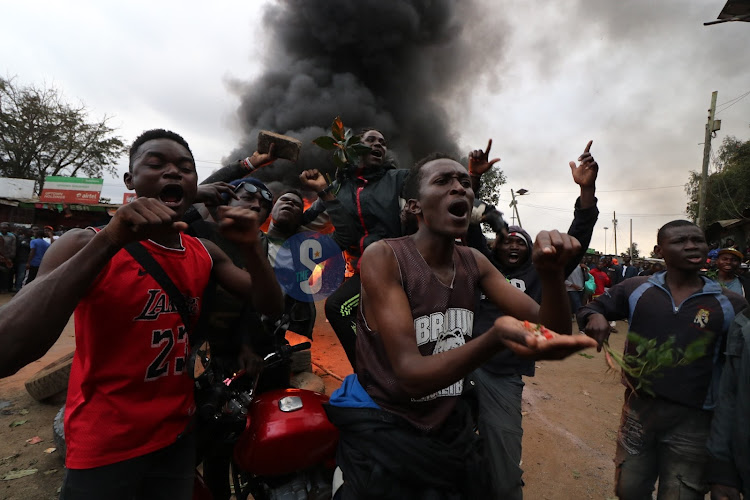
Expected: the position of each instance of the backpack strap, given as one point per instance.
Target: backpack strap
(145, 259)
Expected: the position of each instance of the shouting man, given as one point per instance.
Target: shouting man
(405, 432)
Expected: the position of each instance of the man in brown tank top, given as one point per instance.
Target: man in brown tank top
(404, 430)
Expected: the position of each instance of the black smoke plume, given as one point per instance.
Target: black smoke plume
(401, 67)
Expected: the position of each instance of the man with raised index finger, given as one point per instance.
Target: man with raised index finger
(499, 381)
(405, 431)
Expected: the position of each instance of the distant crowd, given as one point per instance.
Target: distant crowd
(21, 252)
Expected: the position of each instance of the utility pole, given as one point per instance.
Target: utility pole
(711, 127)
(514, 206)
(630, 250)
(614, 229)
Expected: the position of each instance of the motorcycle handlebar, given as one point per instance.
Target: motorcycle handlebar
(284, 353)
(298, 347)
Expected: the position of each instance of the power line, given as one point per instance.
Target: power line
(654, 215)
(736, 100)
(612, 190)
(569, 210)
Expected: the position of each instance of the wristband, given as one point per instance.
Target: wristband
(325, 191)
(247, 165)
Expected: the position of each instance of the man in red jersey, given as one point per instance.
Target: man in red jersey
(130, 400)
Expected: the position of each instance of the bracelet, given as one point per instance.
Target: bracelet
(247, 165)
(325, 191)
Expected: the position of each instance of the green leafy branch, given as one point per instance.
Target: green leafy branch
(346, 146)
(651, 359)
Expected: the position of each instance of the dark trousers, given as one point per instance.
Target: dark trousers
(500, 427)
(32, 274)
(6, 278)
(165, 474)
(664, 440)
(341, 312)
(216, 464)
(20, 275)
(575, 300)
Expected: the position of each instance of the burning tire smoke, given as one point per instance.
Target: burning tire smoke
(401, 67)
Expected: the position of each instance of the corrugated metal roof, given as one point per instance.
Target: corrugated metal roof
(734, 10)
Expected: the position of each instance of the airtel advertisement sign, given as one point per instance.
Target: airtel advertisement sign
(71, 190)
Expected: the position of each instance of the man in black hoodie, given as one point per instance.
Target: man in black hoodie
(369, 192)
(499, 382)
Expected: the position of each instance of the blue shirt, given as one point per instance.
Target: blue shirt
(41, 247)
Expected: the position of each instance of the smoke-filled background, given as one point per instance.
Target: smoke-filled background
(540, 78)
(398, 67)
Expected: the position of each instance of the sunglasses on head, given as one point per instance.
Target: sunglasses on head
(252, 188)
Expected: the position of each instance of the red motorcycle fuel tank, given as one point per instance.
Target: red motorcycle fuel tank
(287, 430)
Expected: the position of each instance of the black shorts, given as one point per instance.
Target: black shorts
(165, 474)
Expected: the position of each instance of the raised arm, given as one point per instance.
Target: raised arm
(258, 284)
(585, 176)
(68, 269)
(242, 167)
(345, 229)
(479, 163)
(585, 213)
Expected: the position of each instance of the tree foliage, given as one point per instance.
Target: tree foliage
(728, 193)
(492, 180)
(636, 252)
(42, 135)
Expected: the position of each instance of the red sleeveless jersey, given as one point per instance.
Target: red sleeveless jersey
(129, 392)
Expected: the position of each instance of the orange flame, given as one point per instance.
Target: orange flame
(317, 274)
(307, 203)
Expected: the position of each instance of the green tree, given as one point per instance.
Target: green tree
(728, 193)
(492, 181)
(636, 252)
(42, 135)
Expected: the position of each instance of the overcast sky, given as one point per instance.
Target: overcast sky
(636, 77)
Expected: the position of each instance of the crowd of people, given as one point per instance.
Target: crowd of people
(439, 324)
(21, 251)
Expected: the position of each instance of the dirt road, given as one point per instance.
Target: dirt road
(571, 413)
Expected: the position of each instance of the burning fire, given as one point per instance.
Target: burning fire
(317, 274)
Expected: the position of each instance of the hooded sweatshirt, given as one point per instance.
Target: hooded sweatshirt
(525, 278)
(371, 197)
